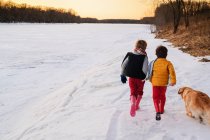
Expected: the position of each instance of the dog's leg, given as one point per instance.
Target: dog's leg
(209, 122)
(201, 119)
(188, 112)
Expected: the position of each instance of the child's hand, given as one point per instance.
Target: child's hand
(123, 79)
(172, 84)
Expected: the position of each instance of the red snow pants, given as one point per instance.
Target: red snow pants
(159, 98)
(136, 87)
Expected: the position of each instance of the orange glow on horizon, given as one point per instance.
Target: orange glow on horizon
(100, 9)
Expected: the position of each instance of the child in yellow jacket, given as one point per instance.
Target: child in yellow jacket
(161, 74)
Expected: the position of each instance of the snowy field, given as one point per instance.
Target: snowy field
(61, 82)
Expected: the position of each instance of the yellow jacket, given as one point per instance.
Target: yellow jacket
(162, 71)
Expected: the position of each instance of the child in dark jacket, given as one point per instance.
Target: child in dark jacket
(161, 72)
(135, 66)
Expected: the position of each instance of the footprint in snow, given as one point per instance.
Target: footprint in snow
(166, 137)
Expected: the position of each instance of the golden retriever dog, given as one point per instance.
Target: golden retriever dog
(197, 104)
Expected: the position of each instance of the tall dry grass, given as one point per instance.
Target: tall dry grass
(194, 40)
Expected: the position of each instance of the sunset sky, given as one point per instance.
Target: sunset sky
(101, 9)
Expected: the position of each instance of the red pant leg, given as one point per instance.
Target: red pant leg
(162, 98)
(156, 97)
(159, 97)
(140, 87)
(132, 86)
(136, 87)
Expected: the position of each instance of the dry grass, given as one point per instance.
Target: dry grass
(204, 60)
(195, 40)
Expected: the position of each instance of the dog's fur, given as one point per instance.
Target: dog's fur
(197, 104)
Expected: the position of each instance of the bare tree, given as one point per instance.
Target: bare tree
(177, 10)
(186, 6)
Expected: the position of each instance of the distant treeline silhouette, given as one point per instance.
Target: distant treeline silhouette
(123, 21)
(12, 12)
(120, 21)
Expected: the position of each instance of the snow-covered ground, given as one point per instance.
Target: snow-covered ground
(61, 82)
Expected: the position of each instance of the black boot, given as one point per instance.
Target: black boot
(158, 117)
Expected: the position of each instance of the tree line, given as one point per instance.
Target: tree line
(12, 12)
(174, 10)
(95, 20)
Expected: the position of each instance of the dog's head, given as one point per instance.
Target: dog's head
(183, 91)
